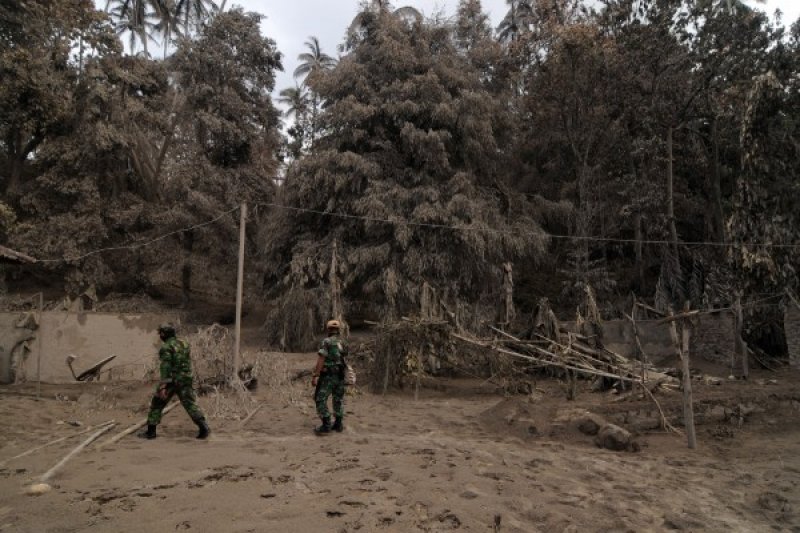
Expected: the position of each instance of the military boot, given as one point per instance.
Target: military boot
(150, 433)
(325, 428)
(204, 429)
(337, 425)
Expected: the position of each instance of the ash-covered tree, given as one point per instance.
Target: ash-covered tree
(227, 139)
(154, 147)
(410, 137)
(40, 70)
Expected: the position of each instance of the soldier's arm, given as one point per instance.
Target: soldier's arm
(321, 353)
(165, 355)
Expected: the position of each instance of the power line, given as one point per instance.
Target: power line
(410, 223)
(520, 233)
(137, 245)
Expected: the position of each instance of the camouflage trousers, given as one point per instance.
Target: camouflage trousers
(185, 394)
(330, 384)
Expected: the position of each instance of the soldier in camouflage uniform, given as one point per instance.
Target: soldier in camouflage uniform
(328, 378)
(176, 378)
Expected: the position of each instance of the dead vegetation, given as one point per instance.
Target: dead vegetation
(300, 314)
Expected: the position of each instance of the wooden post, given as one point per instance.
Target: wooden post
(39, 350)
(47, 476)
(508, 296)
(337, 309)
(740, 349)
(637, 346)
(54, 441)
(688, 407)
(239, 287)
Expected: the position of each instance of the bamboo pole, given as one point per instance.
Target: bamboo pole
(248, 417)
(52, 472)
(792, 297)
(39, 348)
(55, 441)
(134, 427)
(688, 407)
(558, 364)
(741, 351)
(239, 287)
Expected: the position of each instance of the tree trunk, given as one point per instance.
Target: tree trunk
(673, 230)
(716, 187)
(14, 177)
(637, 221)
(186, 271)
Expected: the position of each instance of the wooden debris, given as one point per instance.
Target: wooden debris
(47, 476)
(252, 413)
(55, 441)
(134, 427)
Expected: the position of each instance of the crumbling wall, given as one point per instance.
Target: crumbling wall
(17, 330)
(791, 324)
(91, 337)
(713, 338)
(618, 337)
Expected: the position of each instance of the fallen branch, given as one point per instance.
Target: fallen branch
(56, 441)
(248, 417)
(557, 364)
(52, 472)
(664, 423)
(791, 296)
(134, 427)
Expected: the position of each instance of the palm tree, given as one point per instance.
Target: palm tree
(297, 102)
(193, 12)
(313, 62)
(144, 19)
(137, 18)
(515, 21)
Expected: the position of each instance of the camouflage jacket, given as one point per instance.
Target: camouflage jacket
(176, 363)
(334, 350)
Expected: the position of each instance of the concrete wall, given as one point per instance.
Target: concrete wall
(655, 338)
(791, 324)
(711, 338)
(714, 338)
(91, 337)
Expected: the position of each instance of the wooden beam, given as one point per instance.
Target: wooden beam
(681, 316)
(55, 441)
(53, 471)
(136, 426)
(558, 364)
(688, 407)
(651, 309)
(792, 297)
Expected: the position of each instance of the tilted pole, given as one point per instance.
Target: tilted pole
(239, 287)
(39, 348)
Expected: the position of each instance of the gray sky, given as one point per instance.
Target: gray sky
(291, 22)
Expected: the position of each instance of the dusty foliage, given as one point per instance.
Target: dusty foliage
(406, 351)
(212, 363)
(271, 370)
(298, 319)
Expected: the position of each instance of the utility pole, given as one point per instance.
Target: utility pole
(39, 350)
(239, 287)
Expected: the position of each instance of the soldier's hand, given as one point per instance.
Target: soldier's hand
(314, 381)
(162, 392)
